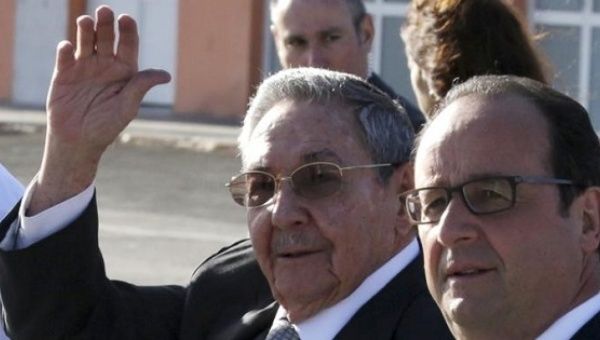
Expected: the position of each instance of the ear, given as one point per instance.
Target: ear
(590, 219)
(404, 177)
(403, 180)
(366, 31)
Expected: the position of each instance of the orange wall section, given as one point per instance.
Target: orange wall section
(76, 8)
(7, 37)
(219, 53)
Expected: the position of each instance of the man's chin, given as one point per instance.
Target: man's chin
(468, 313)
(300, 308)
(303, 295)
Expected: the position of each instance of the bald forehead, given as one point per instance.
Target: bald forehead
(281, 7)
(478, 113)
(477, 126)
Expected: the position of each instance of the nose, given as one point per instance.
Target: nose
(287, 210)
(315, 57)
(457, 224)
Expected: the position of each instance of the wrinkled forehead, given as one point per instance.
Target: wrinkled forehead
(293, 133)
(477, 135)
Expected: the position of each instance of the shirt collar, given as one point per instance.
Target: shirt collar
(567, 325)
(328, 322)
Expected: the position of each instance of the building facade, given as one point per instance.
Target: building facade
(219, 50)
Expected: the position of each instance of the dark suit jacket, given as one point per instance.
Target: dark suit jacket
(414, 114)
(57, 289)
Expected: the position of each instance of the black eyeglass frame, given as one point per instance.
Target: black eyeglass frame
(512, 180)
(278, 179)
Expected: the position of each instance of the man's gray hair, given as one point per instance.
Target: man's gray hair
(356, 7)
(382, 125)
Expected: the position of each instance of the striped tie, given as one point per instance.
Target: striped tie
(283, 330)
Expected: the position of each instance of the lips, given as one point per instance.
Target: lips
(295, 253)
(466, 271)
(470, 272)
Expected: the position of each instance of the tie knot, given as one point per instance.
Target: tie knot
(283, 330)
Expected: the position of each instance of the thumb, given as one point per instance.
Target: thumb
(141, 83)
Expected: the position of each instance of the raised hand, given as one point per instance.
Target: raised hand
(93, 95)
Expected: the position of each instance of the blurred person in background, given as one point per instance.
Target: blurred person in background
(450, 41)
(331, 34)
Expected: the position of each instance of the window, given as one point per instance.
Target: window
(572, 43)
(387, 55)
(559, 5)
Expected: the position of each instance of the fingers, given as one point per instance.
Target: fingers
(140, 84)
(128, 47)
(85, 37)
(64, 55)
(105, 32)
(101, 39)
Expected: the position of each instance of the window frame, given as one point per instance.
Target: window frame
(586, 20)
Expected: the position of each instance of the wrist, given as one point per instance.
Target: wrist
(64, 173)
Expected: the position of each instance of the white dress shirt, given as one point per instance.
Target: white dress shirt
(328, 322)
(570, 323)
(28, 230)
(11, 191)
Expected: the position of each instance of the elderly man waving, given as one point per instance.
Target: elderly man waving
(331, 252)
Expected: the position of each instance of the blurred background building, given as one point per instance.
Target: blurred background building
(219, 50)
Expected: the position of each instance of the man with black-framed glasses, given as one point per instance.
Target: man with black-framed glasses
(507, 206)
(331, 252)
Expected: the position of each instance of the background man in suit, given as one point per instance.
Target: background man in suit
(332, 34)
(324, 158)
(509, 212)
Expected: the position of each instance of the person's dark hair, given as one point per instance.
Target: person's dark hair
(453, 40)
(356, 7)
(574, 145)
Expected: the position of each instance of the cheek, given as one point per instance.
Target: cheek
(260, 230)
(541, 246)
(360, 229)
(287, 57)
(431, 257)
(290, 59)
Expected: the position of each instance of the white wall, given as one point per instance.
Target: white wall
(157, 25)
(40, 25)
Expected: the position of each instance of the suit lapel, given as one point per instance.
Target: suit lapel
(256, 323)
(404, 298)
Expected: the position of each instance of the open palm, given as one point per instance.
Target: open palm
(93, 95)
(95, 92)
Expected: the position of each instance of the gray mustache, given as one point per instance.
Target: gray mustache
(295, 239)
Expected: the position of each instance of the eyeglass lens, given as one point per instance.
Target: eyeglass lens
(481, 196)
(310, 181)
